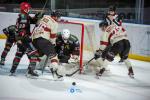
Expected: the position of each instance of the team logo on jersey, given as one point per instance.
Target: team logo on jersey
(66, 47)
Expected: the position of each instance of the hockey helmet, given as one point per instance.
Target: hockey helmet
(103, 24)
(65, 34)
(55, 13)
(112, 8)
(25, 7)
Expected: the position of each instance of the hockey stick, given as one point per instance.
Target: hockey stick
(105, 50)
(79, 68)
(85, 66)
(44, 5)
(45, 62)
(43, 67)
(89, 61)
(73, 72)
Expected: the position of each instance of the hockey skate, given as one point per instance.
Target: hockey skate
(31, 73)
(130, 73)
(2, 62)
(99, 74)
(121, 61)
(12, 73)
(55, 75)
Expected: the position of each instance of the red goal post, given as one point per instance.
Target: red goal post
(85, 32)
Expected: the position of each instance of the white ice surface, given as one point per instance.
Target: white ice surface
(113, 85)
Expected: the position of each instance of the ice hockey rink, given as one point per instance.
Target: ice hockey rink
(113, 85)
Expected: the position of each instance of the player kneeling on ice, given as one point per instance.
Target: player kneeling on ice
(113, 41)
(44, 36)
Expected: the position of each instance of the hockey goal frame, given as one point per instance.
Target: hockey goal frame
(82, 41)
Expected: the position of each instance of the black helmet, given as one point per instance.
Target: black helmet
(103, 23)
(55, 13)
(112, 8)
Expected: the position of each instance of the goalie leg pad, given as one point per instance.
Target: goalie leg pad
(64, 59)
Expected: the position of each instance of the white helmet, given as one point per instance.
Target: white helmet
(65, 34)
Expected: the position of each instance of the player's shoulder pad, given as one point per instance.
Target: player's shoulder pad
(58, 33)
(59, 37)
(73, 39)
(22, 16)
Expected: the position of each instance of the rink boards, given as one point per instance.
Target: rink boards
(139, 35)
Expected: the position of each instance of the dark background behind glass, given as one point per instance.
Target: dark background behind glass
(91, 9)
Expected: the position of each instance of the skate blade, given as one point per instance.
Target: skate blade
(1, 64)
(55, 78)
(12, 74)
(59, 79)
(31, 76)
(98, 76)
(131, 76)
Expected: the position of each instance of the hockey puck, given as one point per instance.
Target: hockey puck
(73, 83)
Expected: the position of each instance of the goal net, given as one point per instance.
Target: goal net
(87, 38)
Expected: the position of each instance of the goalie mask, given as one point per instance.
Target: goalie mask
(25, 7)
(65, 35)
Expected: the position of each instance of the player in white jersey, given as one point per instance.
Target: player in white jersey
(44, 36)
(46, 28)
(116, 39)
(113, 18)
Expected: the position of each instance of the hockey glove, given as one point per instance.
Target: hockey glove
(5, 31)
(73, 59)
(39, 15)
(97, 54)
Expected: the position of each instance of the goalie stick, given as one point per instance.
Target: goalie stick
(79, 68)
(45, 62)
(71, 74)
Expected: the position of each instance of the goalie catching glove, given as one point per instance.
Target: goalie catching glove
(97, 54)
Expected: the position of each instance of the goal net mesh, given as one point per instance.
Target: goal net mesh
(85, 32)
